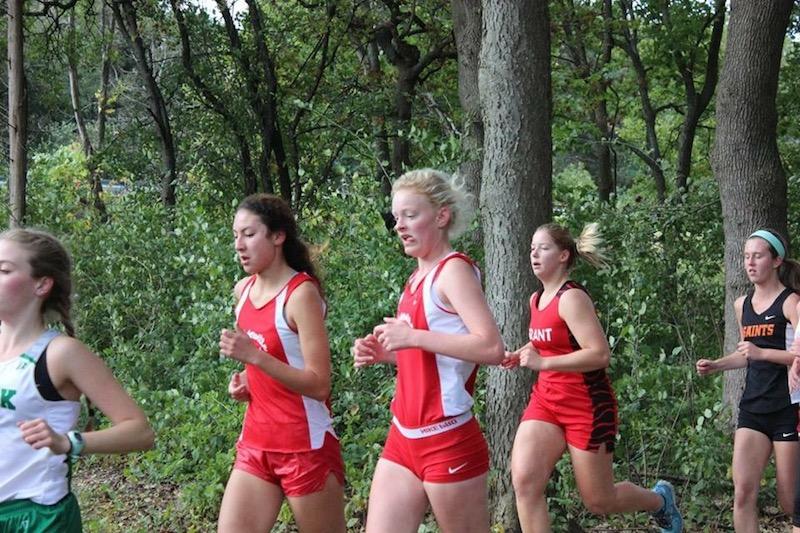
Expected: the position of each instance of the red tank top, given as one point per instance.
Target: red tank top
(278, 419)
(431, 387)
(551, 336)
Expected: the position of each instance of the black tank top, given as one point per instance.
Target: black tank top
(766, 387)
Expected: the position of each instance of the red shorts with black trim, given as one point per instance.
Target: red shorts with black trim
(297, 474)
(454, 455)
(587, 414)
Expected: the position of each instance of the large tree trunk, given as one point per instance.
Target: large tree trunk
(467, 29)
(17, 115)
(516, 196)
(745, 159)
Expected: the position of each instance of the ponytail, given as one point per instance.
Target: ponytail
(789, 274)
(587, 246)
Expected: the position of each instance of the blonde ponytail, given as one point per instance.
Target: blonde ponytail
(589, 245)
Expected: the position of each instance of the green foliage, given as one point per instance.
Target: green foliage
(152, 301)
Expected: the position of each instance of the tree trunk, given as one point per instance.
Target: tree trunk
(405, 88)
(105, 71)
(745, 158)
(396, 38)
(696, 103)
(576, 27)
(266, 93)
(369, 56)
(261, 111)
(216, 104)
(605, 175)
(652, 157)
(125, 16)
(467, 29)
(602, 151)
(516, 196)
(75, 96)
(17, 115)
(95, 184)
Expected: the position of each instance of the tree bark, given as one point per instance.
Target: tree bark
(107, 35)
(271, 139)
(516, 196)
(259, 107)
(745, 158)
(74, 90)
(467, 15)
(393, 38)
(17, 115)
(369, 57)
(95, 184)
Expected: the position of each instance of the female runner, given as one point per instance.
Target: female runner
(43, 375)
(767, 423)
(572, 406)
(435, 452)
(287, 446)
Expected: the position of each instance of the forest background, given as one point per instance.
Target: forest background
(136, 127)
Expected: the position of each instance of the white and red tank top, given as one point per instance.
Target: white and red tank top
(431, 387)
(277, 418)
(551, 336)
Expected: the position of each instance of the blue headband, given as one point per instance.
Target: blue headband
(774, 241)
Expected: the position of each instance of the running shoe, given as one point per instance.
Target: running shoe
(668, 518)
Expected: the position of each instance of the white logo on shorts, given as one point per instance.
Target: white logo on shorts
(452, 470)
(784, 436)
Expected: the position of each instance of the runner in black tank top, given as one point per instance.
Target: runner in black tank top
(767, 421)
(767, 385)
